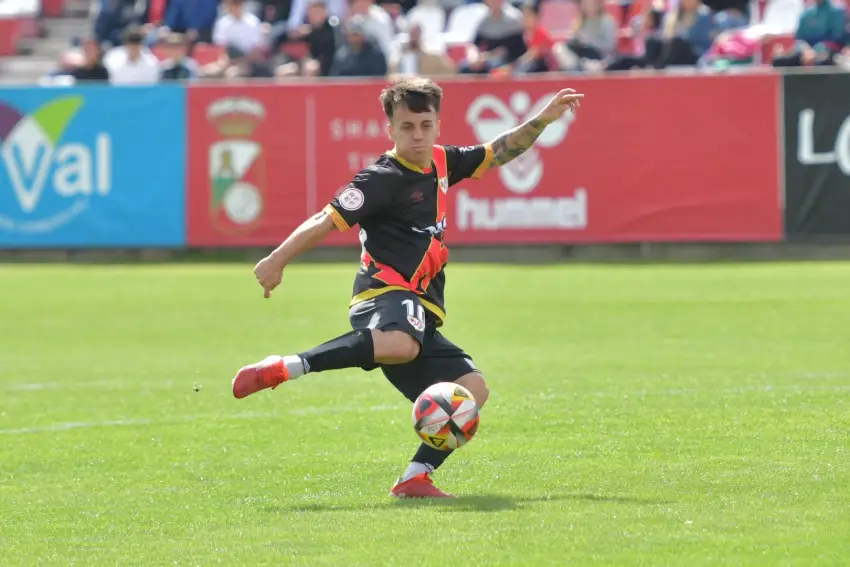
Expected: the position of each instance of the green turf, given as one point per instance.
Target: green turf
(639, 416)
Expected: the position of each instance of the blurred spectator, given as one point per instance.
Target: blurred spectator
(323, 37)
(235, 64)
(843, 59)
(359, 57)
(415, 58)
(92, 68)
(733, 48)
(498, 40)
(686, 34)
(729, 14)
(132, 63)
(113, 17)
(396, 8)
(177, 66)
(194, 18)
(594, 36)
(238, 28)
(297, 14)
(275, 11)
(819, 38)
(377, 23)
(538, 43)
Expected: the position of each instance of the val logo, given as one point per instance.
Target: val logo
(51, 177)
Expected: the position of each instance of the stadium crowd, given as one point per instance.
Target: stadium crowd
(136, 42)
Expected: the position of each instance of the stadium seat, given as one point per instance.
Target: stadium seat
(52, 8)
(463, 23)
(159, 50)
(25, 13)
(557, 17)
(206, 53)
(296, 50)
(10, 35)
(457, 51)
(768, 44)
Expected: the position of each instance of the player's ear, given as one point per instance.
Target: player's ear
(390, 131)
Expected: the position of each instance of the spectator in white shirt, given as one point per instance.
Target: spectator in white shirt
(238, 28)
(132, 63)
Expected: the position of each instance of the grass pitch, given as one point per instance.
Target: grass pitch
(639, 416)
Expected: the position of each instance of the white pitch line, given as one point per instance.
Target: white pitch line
(68, 426)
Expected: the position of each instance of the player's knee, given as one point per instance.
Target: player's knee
(394, 347)
(477, 386)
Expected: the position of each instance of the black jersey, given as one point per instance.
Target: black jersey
(401, 210)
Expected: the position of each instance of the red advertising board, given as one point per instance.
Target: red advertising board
(644, 159)
(246, 167)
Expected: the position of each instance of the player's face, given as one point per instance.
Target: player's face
(414, 134)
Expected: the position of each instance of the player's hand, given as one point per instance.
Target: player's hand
(269, 273)
(565, 100)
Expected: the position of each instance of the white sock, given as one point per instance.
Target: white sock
(294, 365)
(415, 468)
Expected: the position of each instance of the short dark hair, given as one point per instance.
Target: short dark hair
(418, 94)
(133, 35)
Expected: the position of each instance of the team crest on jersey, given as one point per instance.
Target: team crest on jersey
(237, 165)
(416, 323)
(351, 199)
(444, 185)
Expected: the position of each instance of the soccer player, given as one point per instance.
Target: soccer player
(397, 305)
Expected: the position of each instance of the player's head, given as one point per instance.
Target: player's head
(412, 106)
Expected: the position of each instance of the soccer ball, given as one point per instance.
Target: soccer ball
(445, 416)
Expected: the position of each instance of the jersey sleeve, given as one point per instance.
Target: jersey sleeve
(365, 196)
(468, 162)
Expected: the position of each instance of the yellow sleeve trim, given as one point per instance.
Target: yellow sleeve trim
(485, 163)
(336, 217)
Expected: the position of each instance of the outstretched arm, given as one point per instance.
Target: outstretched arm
(515, 142)
(269, 270)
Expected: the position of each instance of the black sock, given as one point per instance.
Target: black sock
(354, 349)
(430, 456)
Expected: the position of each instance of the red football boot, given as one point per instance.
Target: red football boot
(268, 373)
(419, 486)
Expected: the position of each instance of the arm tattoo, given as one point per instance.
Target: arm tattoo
(514, 143)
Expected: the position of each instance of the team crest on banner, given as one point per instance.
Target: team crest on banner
(237, 165)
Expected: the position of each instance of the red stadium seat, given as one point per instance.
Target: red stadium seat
(159, 50)
(769, 44)
(28, 27)
(557, 16)
(456, 51)
(10, 35)
(52, 8)
(206, 53)
(296, 50)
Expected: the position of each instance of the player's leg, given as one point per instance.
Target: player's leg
(440, 361)
(382, 335)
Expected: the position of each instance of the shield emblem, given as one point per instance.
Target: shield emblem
(237, 175)
(237, 166)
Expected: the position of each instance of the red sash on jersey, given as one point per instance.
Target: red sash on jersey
(437, 254)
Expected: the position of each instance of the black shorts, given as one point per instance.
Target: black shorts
(439, 359)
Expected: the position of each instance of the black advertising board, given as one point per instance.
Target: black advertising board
(817, 153)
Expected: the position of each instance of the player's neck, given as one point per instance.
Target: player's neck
(411, 163)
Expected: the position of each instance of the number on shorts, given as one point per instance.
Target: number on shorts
(412, 310)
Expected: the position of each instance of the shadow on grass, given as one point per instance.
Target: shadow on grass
(468, 503)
